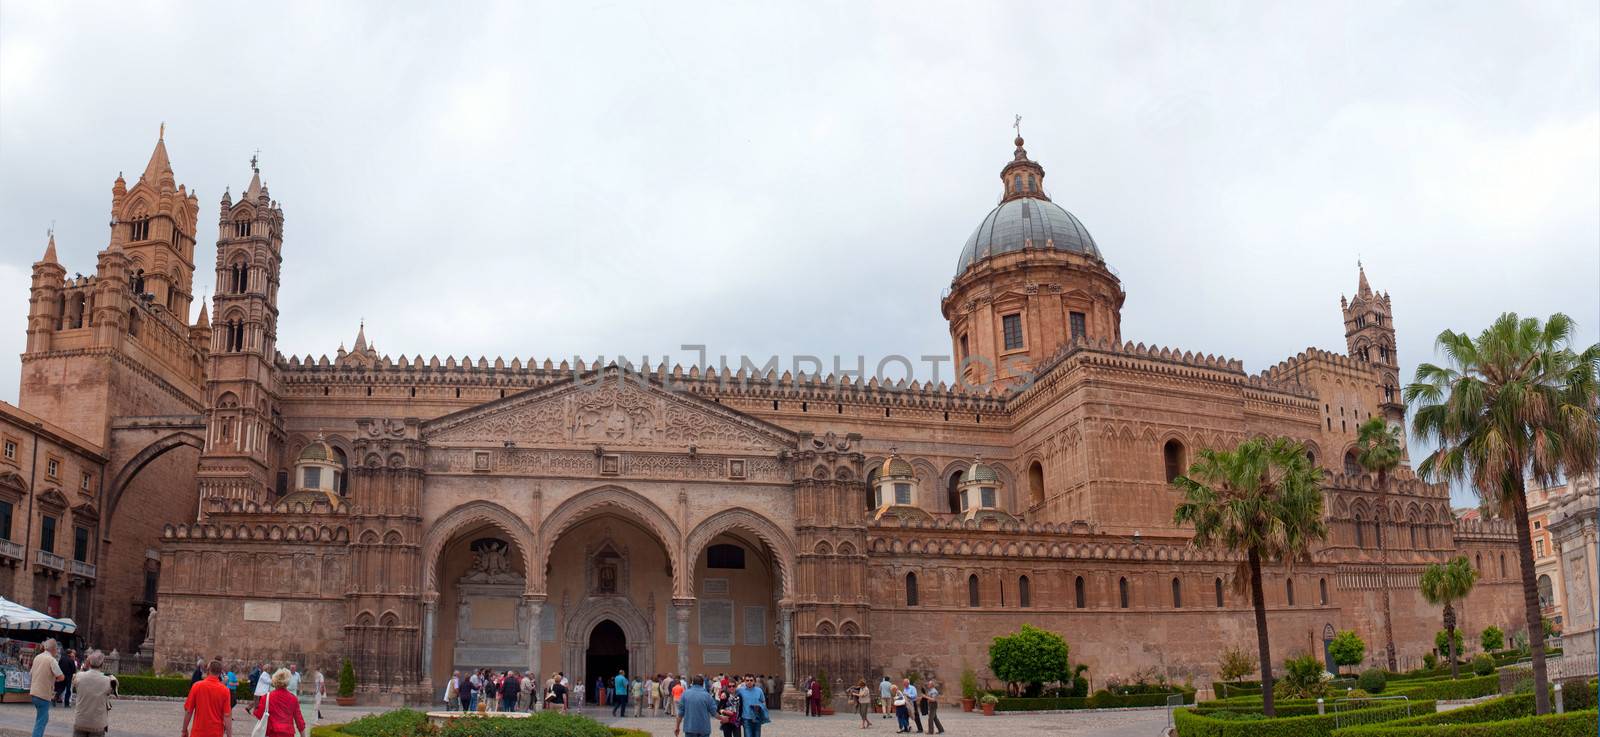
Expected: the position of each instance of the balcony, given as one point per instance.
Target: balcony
(11, 550)
(51, 561)
(81, 569)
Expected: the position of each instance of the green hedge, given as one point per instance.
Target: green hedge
(1575, 698)
(1463, 688)
(388, 724)
(1570, 724)
(408, 723)
(1190, 724)
(1100, 700)
(153, 686)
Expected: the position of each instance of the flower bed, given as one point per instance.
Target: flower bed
(410, 723)
(1235, 724)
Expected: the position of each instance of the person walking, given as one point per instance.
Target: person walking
(910, 690)
(753, 703)
(885, 695)
(901, 713)
(814, 697)
(510, 691)
(452, 691)
(558, 695)
(208, 710)
(930, 696)
(577, 697)
(619, 695)
(46, 673)
(529, 684)
(69, 668)
(281, 708)
(294, 679)
(728, 710)
(861, 697)
(199, 673)
(94, 690)
(319, 686)
(263, 683)
(695, 710)
(636, 696)
(465, 693)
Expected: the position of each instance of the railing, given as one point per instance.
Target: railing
(1174, 701)
(11, 549)
(51, 560)
(80, 568)
(1347, 712)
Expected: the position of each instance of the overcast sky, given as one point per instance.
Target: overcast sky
(540, 180)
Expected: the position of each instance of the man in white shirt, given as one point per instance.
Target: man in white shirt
(45, 674)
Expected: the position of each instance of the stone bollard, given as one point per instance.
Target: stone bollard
(1560, 707)
(1321, 709)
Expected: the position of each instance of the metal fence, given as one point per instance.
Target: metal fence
(1174, 701)
(1348, 712)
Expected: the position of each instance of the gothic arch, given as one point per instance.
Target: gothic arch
(629, 504)
(589, 613)
(129, 470)
(739, 518)
(469, 515)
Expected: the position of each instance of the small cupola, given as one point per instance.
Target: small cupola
(1022, 176)
(980, 493)
(317, 474)
(896, 483)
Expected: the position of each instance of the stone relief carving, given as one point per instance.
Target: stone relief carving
(491, 563)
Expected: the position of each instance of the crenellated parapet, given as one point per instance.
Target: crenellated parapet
(273, 532)
(1485, 530)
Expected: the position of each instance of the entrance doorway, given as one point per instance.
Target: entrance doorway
(607, 654)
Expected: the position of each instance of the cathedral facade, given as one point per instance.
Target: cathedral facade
(419, 515)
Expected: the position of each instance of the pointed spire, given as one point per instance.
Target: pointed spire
(50, 249)
(1361, 286)
(361, 337)
(159, 164)
(204, 320)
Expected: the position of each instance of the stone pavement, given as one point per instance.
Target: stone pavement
(165, 718)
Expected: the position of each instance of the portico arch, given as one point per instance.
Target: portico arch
(741, 519)
(472, 515)
(610, 499)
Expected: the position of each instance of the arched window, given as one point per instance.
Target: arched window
(972, 590)
(1036, 483)
(872, 489)
(1547, 592)
(1122, 592)
(1030, 183)
(138, 282)
(1077, 593)
(1024, 593)
(911, 589)
(1502, 565)
(1413, 527)
(1016, 183)
(1172, 455)
(133, 321)
(1352, 467)
(953, 493)
(1478, 562)
(1360, 539)
(1289, 589)
(1322, 590)
(1219, 591)
(238, 277)
(1177, 594)
(1311, 457)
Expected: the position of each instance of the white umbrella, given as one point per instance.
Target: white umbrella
(14, 616)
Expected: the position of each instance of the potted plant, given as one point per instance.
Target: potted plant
(347, 684)
(989, 700)
(969, 689)
(827, 693)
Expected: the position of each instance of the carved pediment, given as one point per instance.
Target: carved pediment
(611, 410)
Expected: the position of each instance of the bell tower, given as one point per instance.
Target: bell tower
(153, 222)
(244, 427)
(1369, 336)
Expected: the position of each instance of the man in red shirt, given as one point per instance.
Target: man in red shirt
(208, 707)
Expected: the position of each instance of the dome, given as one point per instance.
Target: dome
(316, 450)
(980, 473)
(1027, 222)
(895, 466)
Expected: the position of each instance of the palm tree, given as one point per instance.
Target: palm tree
(1263, 499)
(1515, 401)
(1379, 444)
(1447, 584)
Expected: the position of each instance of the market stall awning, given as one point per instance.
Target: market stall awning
(14, 616)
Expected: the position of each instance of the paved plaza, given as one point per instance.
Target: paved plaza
(165, 718)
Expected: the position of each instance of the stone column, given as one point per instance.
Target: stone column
(535, 607)
(786, 627)
(430, 612)
(680, 612)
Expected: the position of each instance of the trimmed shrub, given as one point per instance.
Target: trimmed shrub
(1482, 664)
(1445, 690)
(541, 724)
(1372, 680)
(1570, 724)
(1191, 724)
(153, 686)
(399, 723)
(1101, 699)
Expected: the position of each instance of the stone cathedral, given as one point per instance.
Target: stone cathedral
(419, 515)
